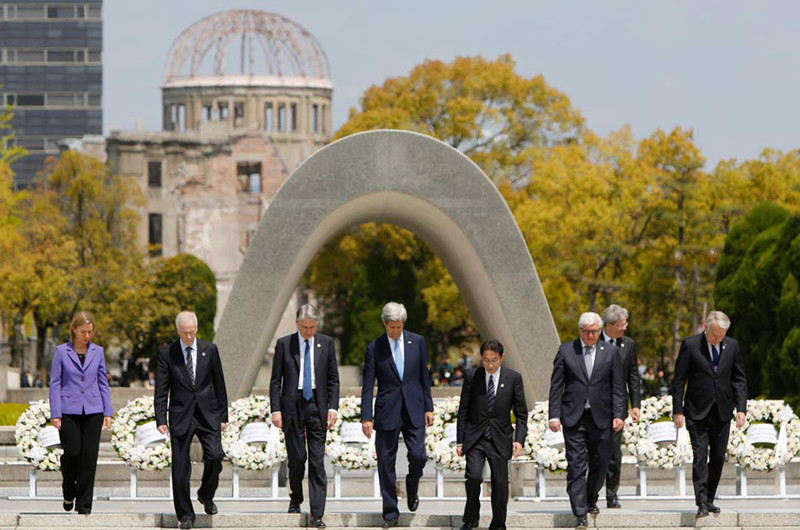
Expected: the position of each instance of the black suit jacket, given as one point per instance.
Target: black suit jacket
(694, 375)
(630, 369)
(286, 376)
(174, 393)
(570, 386)
(474, 416)
(414, 391)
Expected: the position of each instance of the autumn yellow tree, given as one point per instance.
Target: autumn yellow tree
(487, 111)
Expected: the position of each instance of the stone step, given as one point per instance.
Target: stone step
(618, 520)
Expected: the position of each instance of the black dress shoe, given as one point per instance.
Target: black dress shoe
(294, 508)
(389, 523)
(469, 526)
(581, 523)
(209, 506)
(86, 511)
(712, 508)
(68, 505)
(613, 503)
(413, 504)
(317, 522)
(186, 522)
(593, 509)
(702, 510)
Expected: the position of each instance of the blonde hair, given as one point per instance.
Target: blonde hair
(79, 319)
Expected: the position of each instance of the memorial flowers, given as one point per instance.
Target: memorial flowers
(769, 438)
(544, 447)
(29, 426)
(654, 440)
(440, 437)
(135, 439)
(251, 441)
(346, 446)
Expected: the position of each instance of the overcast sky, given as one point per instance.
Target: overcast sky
(728, 69)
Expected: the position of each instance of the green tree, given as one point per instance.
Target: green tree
(757, 287)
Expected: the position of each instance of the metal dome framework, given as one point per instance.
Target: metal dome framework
(281, 46)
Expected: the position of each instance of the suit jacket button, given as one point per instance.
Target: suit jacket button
(82, 390)
(83, 378)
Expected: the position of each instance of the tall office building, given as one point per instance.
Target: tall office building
(51, 72)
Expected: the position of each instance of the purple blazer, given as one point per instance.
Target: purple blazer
(76, 389)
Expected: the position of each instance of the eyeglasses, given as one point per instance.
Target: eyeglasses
(490, 361)
(590, 331)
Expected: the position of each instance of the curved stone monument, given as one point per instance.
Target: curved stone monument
(415, 182)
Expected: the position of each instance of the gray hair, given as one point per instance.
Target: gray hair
(588, 319)
(394, 312)
(614, 313)
(719, 318)
(307, 311)
(185, 317)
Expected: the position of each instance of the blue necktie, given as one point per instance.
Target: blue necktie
(490, 395)
(398, 359)
(714, 358)
(307, 390)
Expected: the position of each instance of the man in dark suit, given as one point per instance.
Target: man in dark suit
(483, 432)
(189, 377)
(709, 381)
(399, 360)
(587, 398)
(304, 393)
(615, 322)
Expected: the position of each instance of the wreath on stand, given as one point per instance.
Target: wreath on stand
(36, 438)
(135, 438)
(350, 454)
(642, 442)
(251, 441)
(440, 437)
(544, 447)
(765, 420)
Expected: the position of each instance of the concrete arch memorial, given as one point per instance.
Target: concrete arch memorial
(415, 182)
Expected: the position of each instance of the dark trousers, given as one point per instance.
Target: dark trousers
(211, 441)
(307, 428)
(386, 449)
(587, 447)
(80, 439)
(614, 467)
(709, 438)
(478, 454)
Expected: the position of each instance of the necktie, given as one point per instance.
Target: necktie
(490, 395)
(189, 365)
(398, 358)
(715, 358)
(587, 358)
(612, 341)
(308, 392)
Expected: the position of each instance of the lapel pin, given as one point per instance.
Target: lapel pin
(204, 354)
(319, 345)
(502, 385)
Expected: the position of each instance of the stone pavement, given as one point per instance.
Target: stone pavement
(652, 514)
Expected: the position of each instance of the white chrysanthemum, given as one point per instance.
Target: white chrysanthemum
(349, 455)
(34, 419)
(154, 457)
(765, 458)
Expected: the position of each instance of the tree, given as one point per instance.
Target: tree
(757, 287)
(491, 114)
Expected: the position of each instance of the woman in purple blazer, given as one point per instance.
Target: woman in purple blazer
(80, 405)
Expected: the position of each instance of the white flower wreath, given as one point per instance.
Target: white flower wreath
(764, 457)
(30, 423)
(350, 455)
(440, 449)
(548, 456)
(665, 455)
(150, 457)
(239, 452)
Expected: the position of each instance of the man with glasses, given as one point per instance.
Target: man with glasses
(615, 322)
(488, 398)
(709, 382)
(587, 399)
